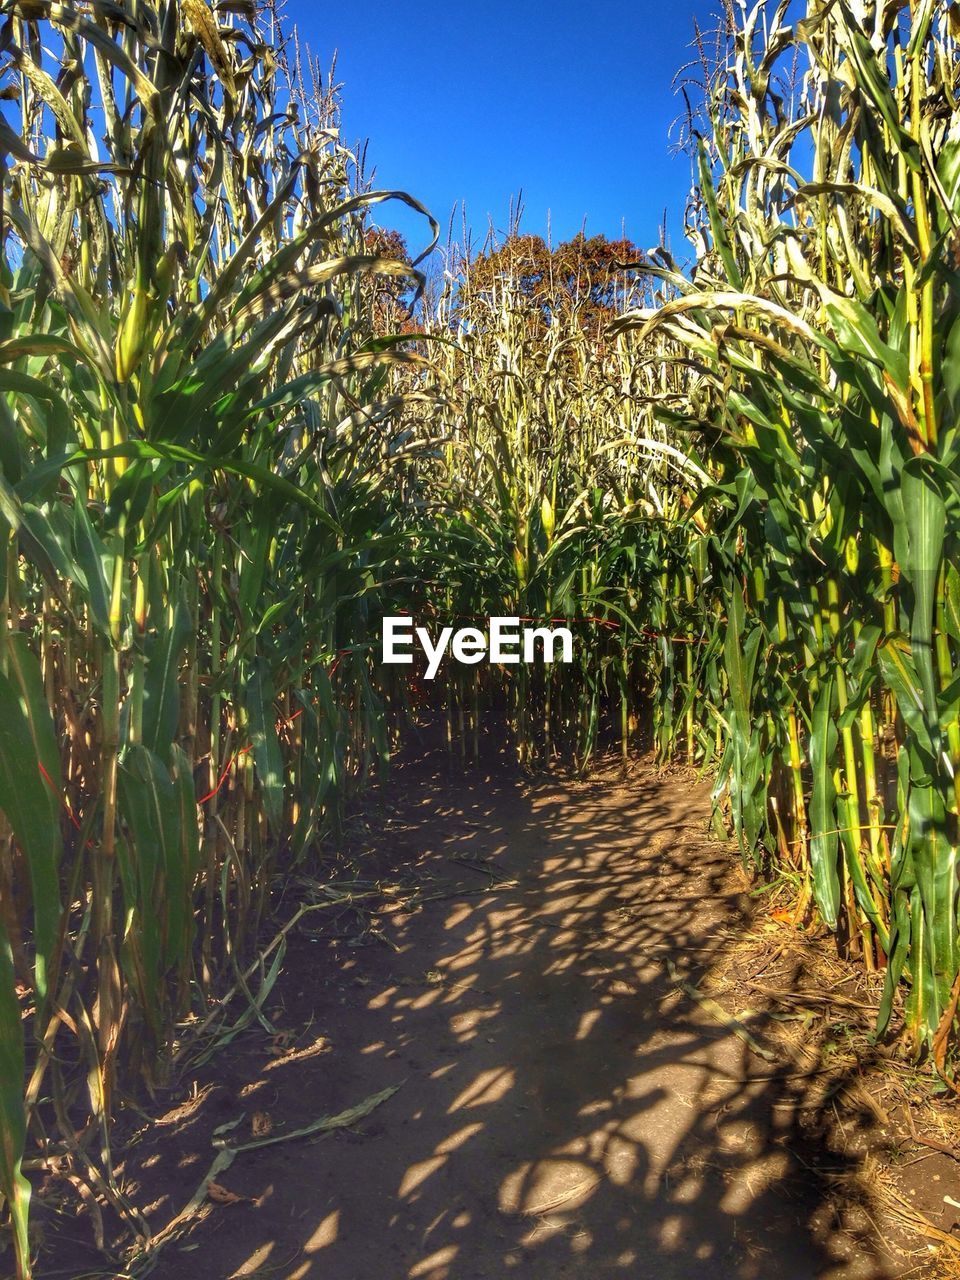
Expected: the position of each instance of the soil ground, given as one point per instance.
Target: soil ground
(571, 1100)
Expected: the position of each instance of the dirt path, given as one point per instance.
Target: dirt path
(564, 1110)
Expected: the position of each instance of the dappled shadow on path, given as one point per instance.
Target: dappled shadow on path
(566, 1109)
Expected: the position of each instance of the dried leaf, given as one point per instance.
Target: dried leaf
(219, 1194)
(325, 1123)
(261, 1125)
(281, 1043)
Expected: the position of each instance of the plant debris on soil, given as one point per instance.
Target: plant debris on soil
(554, 1032)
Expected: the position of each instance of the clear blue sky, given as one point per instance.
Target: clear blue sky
(570, 103)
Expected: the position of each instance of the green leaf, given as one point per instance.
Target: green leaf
(266, 747)
(161, 687)
(823, 808)
(717, 224)
(148, 805)
(32, 801)
(935, 866)
(13, 1122)
(900, 676)
(183, 864)
(925, 516)
(92, 562)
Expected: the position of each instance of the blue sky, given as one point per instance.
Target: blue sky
(569, 103)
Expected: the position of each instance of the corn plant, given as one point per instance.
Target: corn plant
(556, 488)
(197, 427)
(820, 321)
(229, 445)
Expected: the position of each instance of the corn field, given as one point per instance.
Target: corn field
(223, 461)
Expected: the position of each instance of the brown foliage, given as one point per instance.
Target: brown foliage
(586, 277)
(391, 296)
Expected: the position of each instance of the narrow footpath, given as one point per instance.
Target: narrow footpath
(563, 1106)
